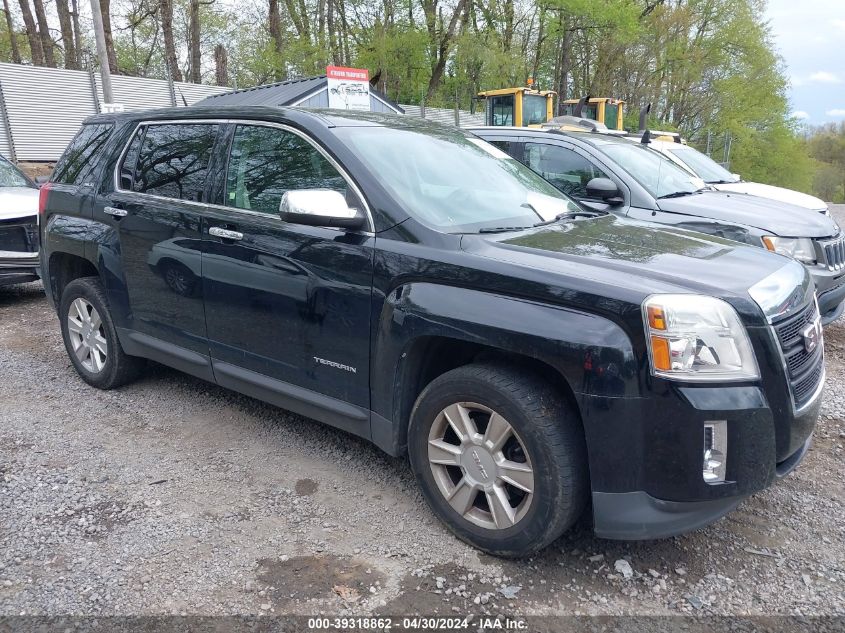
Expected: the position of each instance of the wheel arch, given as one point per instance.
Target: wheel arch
(63, 268)
(429, 329)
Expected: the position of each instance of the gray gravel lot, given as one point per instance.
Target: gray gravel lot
(175, 496)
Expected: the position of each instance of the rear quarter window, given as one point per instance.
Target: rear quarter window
(79, 161)
(172, 160)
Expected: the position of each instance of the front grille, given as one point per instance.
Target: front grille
(19, 235)
(804, 369)
(834, 253)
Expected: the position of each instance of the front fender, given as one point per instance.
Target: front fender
(593, 354)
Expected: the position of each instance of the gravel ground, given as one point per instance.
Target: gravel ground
(174, 496)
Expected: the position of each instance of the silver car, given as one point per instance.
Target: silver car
(18, 226)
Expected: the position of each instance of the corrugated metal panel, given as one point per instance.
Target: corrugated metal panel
(305, 93)
(278, 94)
(46, 106)
(194, 93)
(318, 100)
(445, 115)
(136, 93)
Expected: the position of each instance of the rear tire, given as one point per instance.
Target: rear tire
(90, 337)
(500, 457)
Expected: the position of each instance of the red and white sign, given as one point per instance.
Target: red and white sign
(349, 88)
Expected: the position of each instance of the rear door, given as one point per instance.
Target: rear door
(156, 214)
(287, 305)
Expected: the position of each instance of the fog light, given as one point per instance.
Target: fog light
(715, 451)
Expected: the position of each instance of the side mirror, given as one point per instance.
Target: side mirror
(737, 176)
(319, 207)
(41, 180)
(604, 189)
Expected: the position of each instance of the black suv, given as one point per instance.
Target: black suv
(607, 171)
(413, 285)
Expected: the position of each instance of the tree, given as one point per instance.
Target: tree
(274, 23)
(166, 17)
(221, 65)
(105, 9)
(13, 37)
(194, 52)
(441, 35)
(44, 33)
(35, 49)
(68, 40)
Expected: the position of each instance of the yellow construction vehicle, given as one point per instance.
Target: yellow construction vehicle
(610, 112)
(520, 107)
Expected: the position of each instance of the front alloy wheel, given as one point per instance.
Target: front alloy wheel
(500, 456)
(480, 465)
(87, 335)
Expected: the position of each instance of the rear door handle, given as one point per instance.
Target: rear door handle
(225, 234)
(115, 212)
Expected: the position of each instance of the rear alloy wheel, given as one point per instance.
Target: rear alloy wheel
(87, 335)
(500, 457)
(480, 465)
(91, 338)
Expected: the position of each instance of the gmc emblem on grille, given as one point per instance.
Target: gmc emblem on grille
(812, 335)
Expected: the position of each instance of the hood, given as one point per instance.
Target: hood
(771, 216)
(775, 193)
(635, 258)
(18, 202)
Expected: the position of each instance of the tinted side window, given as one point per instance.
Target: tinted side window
(130, 160)
(505, 146)
(564, 168)
(173, 161)
(80, 158)
(265, 162)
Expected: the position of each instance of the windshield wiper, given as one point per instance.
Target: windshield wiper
(585, 213)
(504, 229)
(721, 182)
(677, 194)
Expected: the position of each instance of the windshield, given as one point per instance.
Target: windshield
(11, 177)
(659, 175)
(704, 167)
(533, 110)
(454, 182)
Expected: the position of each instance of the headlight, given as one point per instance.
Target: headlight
(800, 248)
(697, 338)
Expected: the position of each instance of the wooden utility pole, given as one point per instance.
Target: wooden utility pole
(102, 53)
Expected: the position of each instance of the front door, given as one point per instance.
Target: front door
(157, 213)
(287, 305)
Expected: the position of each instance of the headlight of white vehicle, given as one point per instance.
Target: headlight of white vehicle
(800, 248)
(697, 338)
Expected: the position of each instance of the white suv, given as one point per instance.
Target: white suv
(716, 176)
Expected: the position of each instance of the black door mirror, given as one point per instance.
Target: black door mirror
(604, 189)
(320, 207)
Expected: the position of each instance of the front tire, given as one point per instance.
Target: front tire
(90, 337)
(500, 458)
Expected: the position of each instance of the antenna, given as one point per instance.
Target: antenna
(644, 112)
(184, 100)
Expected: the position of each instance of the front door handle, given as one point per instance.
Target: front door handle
(225, 234)
(115, 212)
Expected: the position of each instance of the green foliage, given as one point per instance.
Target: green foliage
(706, 66)
(826, 145)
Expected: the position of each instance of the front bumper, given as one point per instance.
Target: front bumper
(637, 516)
(646, 454)
(18, 267)
(830, 291)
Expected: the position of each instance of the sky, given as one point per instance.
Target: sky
(809, 36)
